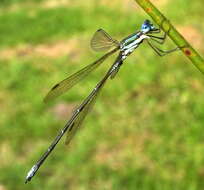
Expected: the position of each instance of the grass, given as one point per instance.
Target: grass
(146, 130)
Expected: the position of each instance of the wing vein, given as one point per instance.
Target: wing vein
(72, 80)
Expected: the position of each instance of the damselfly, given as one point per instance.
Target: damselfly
(101, 41)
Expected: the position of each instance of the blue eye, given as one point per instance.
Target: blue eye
(144, 27)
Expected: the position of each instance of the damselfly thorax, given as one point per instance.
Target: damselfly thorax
(130, 43)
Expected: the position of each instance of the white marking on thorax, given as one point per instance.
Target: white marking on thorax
(132, 46)
(136, 42)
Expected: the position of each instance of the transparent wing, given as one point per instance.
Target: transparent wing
(84, 109)
(102, 41)
(69, 82)
(82, 115)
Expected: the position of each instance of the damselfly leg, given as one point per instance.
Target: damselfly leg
(160, 40)
(161, 52)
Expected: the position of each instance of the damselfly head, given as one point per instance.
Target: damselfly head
(147, 26)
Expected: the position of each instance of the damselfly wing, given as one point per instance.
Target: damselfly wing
(72, 80)
(84, 109)
(102, 41)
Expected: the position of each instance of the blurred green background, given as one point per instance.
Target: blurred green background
(146, 129)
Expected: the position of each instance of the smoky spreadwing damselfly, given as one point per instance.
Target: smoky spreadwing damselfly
(101, 41)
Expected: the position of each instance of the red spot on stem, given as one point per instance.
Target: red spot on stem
(148, 9)
(187, 52)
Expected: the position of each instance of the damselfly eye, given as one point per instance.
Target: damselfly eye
(144, 27)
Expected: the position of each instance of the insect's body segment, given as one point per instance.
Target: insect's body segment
(129, 44)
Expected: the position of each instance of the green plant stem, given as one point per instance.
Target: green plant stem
(178, 39)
